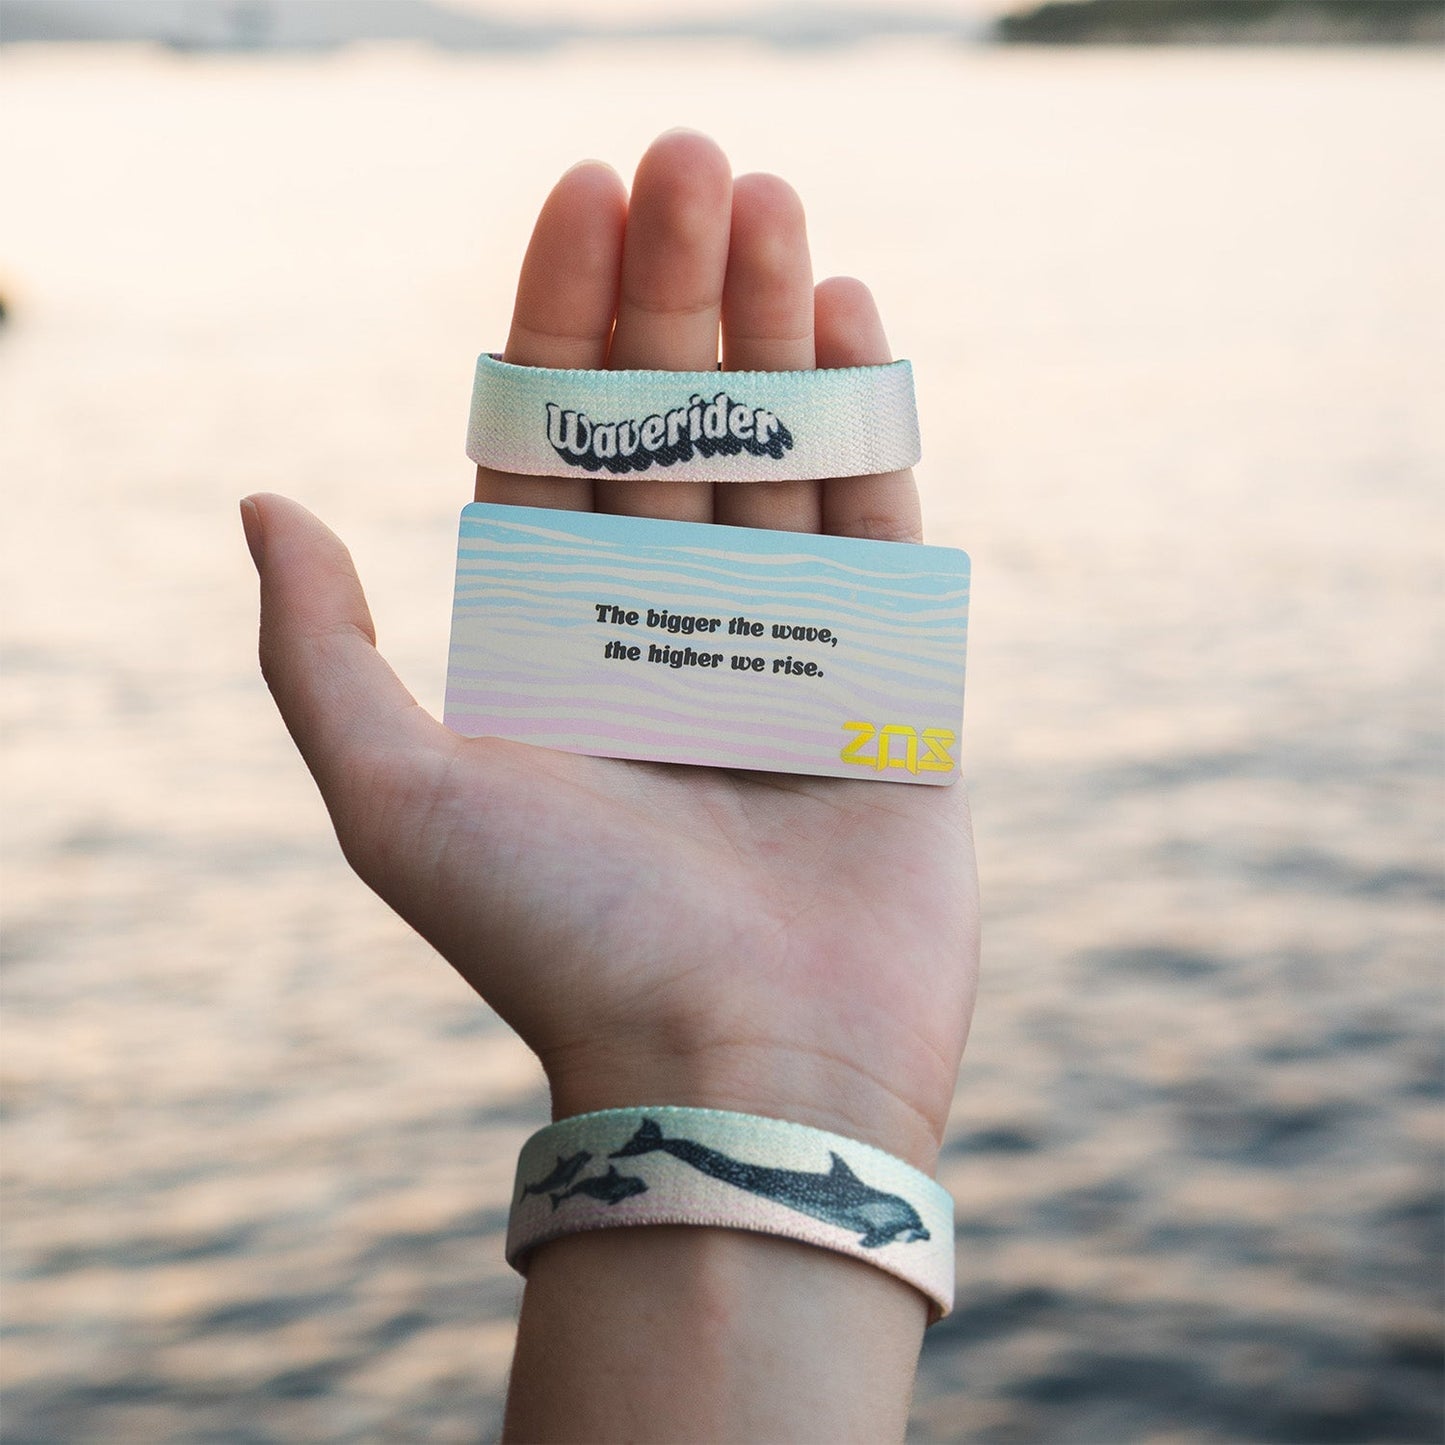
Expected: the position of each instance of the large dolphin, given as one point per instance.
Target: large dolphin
(837, 1196)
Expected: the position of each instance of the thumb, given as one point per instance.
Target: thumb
(343, 705)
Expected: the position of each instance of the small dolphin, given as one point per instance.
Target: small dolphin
(611, 1187)
(565, 1172)
(838, 1196)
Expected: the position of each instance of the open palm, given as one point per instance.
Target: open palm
(656, 933)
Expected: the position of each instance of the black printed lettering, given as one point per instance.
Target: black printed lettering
(715, 427)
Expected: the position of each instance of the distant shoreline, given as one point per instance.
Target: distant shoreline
(1226, 22)
(318, 25)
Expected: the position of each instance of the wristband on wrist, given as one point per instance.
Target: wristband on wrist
(693, 426)
(668, 1165)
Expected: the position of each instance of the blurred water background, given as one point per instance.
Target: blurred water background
(1178, 320)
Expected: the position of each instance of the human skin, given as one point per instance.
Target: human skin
(804, 948)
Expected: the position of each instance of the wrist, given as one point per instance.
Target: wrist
(795, 1085)
(711, 1334)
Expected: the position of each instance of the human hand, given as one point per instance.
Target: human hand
(799, 947)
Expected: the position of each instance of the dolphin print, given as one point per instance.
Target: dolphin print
(565, 1172)
(611, 1187)
(837, 1196)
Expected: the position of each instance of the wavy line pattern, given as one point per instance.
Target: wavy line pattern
(528, 652)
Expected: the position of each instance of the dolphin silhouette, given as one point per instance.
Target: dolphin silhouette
(610, 1187)
(565, 1172)
(837, 1196)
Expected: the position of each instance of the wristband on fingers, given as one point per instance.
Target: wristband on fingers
(667, 1165)
(693, 426)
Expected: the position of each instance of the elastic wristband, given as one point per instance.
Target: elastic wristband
(693, 426)
(668, 1165)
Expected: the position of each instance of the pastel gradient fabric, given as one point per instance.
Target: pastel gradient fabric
(667, 1165)
(693, 426)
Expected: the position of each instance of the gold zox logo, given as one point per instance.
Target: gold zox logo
(897, 746)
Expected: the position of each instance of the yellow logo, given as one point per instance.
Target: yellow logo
(896, 746)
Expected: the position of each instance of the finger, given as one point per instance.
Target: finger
(674, 259)
(849, 333)
(566, 299)
(341, 702)
(767, 325)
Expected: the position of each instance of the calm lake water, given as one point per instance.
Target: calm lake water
(1178, 321)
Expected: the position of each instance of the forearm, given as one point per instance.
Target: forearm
(693, 1334)
(690, 1333)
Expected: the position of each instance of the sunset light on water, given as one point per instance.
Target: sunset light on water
(1176, 319)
